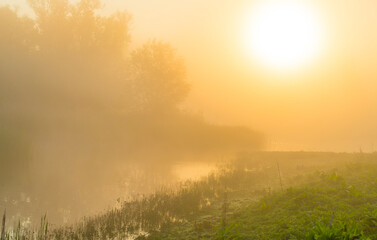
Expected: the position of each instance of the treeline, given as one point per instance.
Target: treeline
(79, 107)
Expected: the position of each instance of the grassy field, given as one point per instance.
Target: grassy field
(268, 195)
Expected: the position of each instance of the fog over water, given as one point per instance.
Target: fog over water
(101, 100)
(325, 106)
(86, 119)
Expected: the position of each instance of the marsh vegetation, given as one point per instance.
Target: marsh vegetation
(108, 135)
(244, 200)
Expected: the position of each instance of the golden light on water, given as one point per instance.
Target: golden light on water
(128, 106)
(284, 35)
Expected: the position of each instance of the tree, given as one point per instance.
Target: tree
(77, 28)
(80, 55)
(158, 77)
(66, 90)
(60, 75)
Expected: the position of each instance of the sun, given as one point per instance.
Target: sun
(284, 34)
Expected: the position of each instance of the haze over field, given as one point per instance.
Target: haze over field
(86, 118)
(324, 106)
(96, 95)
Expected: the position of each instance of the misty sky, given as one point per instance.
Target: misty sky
(330, 105)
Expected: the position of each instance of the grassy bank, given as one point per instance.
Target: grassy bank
(258, 196)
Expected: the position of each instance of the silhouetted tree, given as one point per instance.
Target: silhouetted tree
(158, 77)
(78, 29)
(69, 90)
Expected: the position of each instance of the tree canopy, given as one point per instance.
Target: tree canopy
(159, 76)
(78, 103)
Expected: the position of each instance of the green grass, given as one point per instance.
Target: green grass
(331, 199)
(324, 196)
(332, 204)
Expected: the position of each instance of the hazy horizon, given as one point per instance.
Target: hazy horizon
(325, 106)
(106, 101)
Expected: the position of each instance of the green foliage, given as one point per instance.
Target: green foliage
(324, 205)
(343, 197)
(338, 232)
(228, 232)
(158, 75)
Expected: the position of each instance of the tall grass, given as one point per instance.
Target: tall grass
(197, 206)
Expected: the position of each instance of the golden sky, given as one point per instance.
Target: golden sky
(327, 105)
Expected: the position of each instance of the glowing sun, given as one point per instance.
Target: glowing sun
(284, 34)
